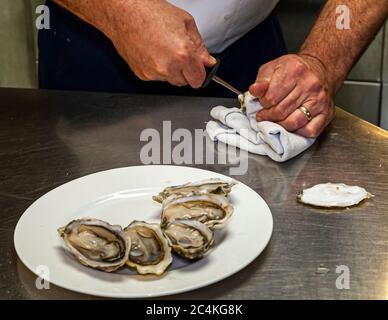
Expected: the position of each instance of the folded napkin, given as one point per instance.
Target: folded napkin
(240, 129)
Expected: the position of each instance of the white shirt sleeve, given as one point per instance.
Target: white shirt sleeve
(222, 22)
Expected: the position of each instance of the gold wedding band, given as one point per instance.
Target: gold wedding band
(306, 113)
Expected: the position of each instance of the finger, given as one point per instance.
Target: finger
(263, 79)
(315, 127)
(318, 124)
(199, 44)
(280, 86)
(297, 120)
(283, 109)
(172, 74)
(194, 72)
(266, 71)
(205, 57)
(176, 77)
(210, 61)
(179, 81)
(258, 89)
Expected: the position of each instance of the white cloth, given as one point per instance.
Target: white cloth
(222, 22)
(236, 128)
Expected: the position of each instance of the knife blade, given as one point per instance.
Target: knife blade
(226, 85)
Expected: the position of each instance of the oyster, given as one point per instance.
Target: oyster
(96, 243)
(150, 252)
(216, 186)
(333, 195)
(189, 238)
(211, 209)
(241, 99)
(246, 100)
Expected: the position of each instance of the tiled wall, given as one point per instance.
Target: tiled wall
(384, 103)
(16, 44)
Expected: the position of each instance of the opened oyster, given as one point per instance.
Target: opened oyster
(189, 238)
(150, 252)
(214, 186)
(211, 209)
(333, 195)
(96, 243)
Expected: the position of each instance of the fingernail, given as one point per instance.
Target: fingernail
(212, 60)
(252, 89)
(262, 80)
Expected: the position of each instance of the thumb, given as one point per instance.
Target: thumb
(209, 61)
(263, 79)
(259, 88)
(199, 44)
(206, 58)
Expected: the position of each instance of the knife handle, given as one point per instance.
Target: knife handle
(210, 73)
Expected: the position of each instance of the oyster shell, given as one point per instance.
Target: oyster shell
(333, 195)
(96, 243)
(150, 252)
(241, 99)
(247, 99)
(211, 209)
(214, 186)
(189, 238)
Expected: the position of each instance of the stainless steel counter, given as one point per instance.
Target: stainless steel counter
(47, 139)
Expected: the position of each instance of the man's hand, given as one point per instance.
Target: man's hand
(289, 82)
(161, 42)
(158, 40)
(315, 75)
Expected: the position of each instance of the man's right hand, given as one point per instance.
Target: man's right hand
(159, 42)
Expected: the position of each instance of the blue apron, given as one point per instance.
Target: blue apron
(75, 56)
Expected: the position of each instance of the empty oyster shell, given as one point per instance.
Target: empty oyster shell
(189, 238)
(211, 209)
(333, 195)
(150, 252)
(216, 186)
(96, 243)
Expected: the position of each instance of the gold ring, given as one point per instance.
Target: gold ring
(306, 113)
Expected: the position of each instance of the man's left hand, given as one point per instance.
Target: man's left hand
(288, 83)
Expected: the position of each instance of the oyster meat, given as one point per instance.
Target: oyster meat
(189, 238)
(96, 243)
(214, 186)
(211, 209)
(333, 195)
(150, 252)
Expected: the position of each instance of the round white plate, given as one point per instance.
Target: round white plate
(120, 196)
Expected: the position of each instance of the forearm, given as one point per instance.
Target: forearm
(159, 41)
(338, 50)
(99, 13)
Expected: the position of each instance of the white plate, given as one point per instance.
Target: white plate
(119, 196)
